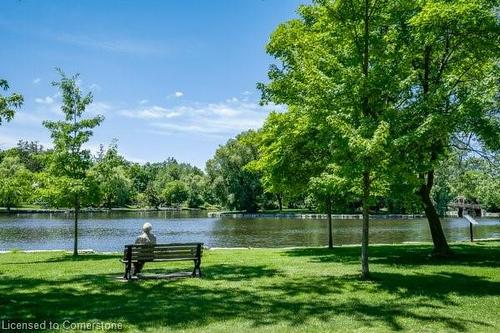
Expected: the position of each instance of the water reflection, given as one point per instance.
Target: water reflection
(110, 231)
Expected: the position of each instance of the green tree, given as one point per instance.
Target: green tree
(340, 62)
(31, 154)
(151, 196)
(197, 188)
(111, 175)
(140, 176)
(59, 191)
(326, 188)
(15, 182)
(290, 152)
(452, 47)
(175, 192)
(476, 178)
(235, 186)
(69, 159)
(8, 104)
(156, 180)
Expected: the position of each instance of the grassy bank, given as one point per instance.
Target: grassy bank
(265, 290)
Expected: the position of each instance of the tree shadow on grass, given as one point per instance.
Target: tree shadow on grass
(221, 272)
(414, 255)
(67, 258)
(228, 272)
(194, 303)
(439, 286)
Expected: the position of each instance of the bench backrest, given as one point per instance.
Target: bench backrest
(174, 251)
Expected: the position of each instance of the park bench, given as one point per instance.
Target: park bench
(162, 253)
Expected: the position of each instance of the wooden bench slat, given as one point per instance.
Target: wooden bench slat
(162, 250)
(166, 253)
(164, 245)
(190, 255)
(164, 260)
(175, 251)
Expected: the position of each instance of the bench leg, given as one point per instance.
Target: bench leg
(128, 271)
(197, 269)
(194, 269)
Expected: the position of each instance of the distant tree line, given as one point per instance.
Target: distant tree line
(26, 179)
(231, 180)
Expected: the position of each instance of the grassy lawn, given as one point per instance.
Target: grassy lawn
(265, 290)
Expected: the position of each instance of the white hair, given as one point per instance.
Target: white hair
(147, 227)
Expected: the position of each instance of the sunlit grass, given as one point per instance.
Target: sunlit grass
(265, 290)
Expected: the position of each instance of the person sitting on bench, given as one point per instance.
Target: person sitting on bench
(145, 238)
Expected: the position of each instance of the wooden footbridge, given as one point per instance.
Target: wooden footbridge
(467, 209)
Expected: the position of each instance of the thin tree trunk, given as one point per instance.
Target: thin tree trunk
(329, 214)
(441, 247)
(365, 271)
(280, 201)
(77, 212)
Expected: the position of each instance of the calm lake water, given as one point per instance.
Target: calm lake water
(110, 231)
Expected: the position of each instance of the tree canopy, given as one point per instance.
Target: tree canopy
(234, 185)
(8, 103)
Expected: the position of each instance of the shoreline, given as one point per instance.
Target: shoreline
(92, 210)
(320, 216)
(409, 243)
(312, 216)
(219, 214)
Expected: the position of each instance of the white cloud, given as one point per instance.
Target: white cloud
(177, 94)
(46, 100)
(232, 100)
(95, 87)
(8, 141)
(49, 108)
(29, 118)
(37, 80)
(99, 108)
(139, 47)
(153, 112)
(216, 119)
(143, 101)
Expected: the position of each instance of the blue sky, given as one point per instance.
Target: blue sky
(172, 78)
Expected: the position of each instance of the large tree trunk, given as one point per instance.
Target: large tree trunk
(365, 271)
(75, 242)
(441, 247)
(329, 214)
